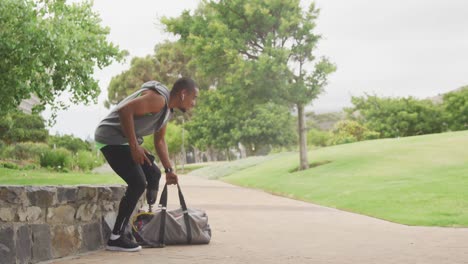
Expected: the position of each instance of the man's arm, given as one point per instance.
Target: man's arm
(161, 149)
(149, 102)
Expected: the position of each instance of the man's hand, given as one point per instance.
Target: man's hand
(139, 155)
(171, 178)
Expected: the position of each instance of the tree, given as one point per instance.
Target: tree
(173, 138)
(397, 117)
(267, 125)
(259, 51)
(20, 127)
(214, 122)
(456, 108)
(49, 47)
(169, 62)
(220, 121)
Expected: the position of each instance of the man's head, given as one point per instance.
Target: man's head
(185, 93)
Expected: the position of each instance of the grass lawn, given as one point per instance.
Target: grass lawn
(189, 167)
(215, 170)
(45, 177)
(415, 180)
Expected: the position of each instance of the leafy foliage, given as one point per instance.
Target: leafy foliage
(318, 138)
(69, 142)
(58, 159)
(87, 160)
(257, 51)
(173, 139)
(214, 122)
(28, 151)
(166, 65)
(50, 47)
(20, 127)
(348, 131)
(456, 108)
(267, 124)
(397, 117)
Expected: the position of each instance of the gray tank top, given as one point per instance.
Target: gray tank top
(109, 130)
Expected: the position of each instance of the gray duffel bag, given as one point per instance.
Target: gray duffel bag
(171, 227)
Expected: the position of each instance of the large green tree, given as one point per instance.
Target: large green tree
(169, 61)
(267, 125)
(214, 122)
(221, 122)
(259, 51)
(49, 47)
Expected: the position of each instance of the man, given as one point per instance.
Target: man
(120, 135)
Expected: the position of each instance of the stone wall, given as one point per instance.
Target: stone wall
(42, 223)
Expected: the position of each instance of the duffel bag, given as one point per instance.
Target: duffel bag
(171, 227)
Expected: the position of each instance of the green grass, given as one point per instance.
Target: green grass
(415, 180)
(215, 170)
(187, 168)
(45, 177)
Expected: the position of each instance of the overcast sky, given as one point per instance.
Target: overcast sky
(390, 48)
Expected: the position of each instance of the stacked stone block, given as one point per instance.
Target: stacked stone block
(43, 223)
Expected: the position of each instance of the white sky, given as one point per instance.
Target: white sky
(390, 48)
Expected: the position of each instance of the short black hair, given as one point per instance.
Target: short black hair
(183, 83)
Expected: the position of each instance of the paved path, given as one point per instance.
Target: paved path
(252, 226)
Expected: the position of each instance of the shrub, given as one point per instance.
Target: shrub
(29, 167)
(6, 151)
(59, 159)
(3, 147)
(349, 131)
(69, 142)
(9, 165)
(318, 138)
(342, 139)
(17, 126)
(86, 160)
(28, 151)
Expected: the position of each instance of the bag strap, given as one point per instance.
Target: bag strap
(163, 205)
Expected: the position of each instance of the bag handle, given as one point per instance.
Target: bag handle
(163, 205)
(163, 198)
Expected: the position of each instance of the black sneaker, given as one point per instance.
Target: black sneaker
(122, 244)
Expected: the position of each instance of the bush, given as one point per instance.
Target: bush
(28, 151)
(59, 159)
(342, 139)
(69, 142)
(3, 147)
(368, 135)
(318, 138)
(9, 165)
(349, 131)
(29, 167)
(86, 160)
(20, 127)
(6, 151)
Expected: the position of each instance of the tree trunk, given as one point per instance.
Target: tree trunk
(197, 154)
(174, 160)
(304, 163)
(242, 151)
(227, 155)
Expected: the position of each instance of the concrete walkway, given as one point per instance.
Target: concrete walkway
(252, 226)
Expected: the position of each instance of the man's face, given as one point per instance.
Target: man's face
(189, 99)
